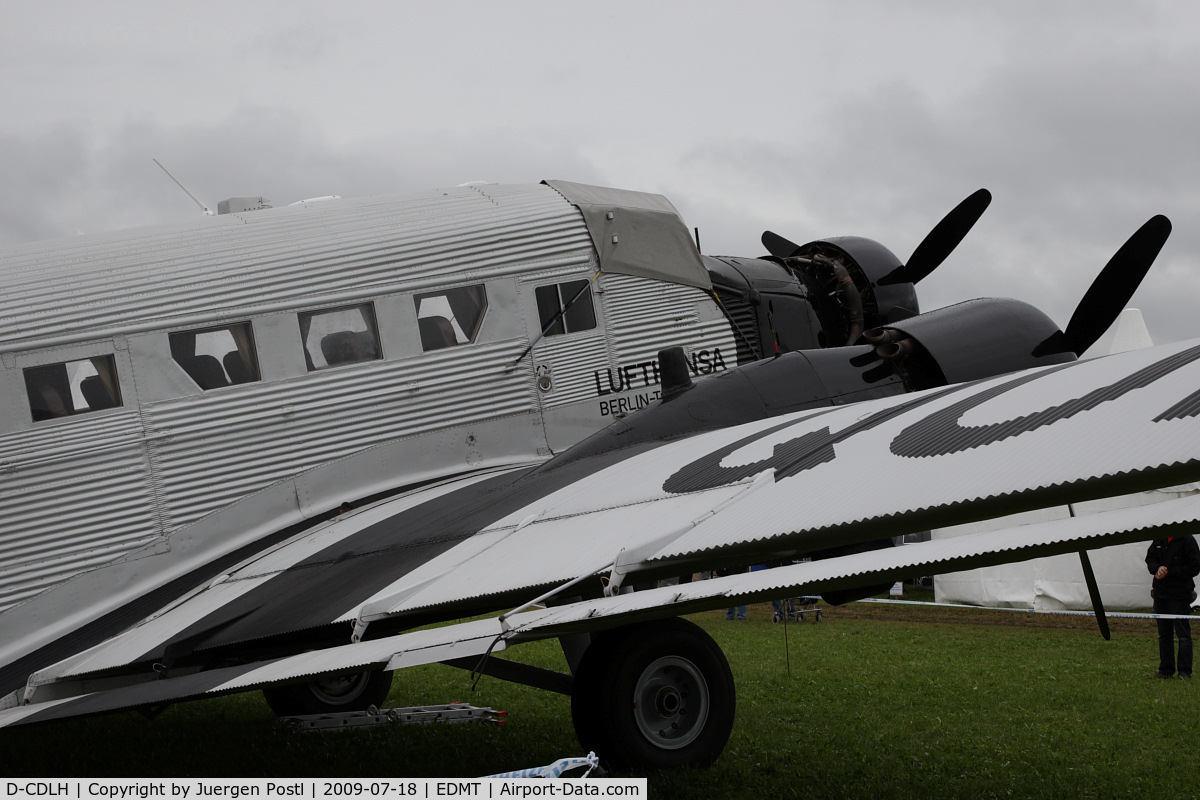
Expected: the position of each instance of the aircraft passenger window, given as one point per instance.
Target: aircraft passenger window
(338, 336)
(575, 297)
(216, 357)
(72, 387)
(450, 318)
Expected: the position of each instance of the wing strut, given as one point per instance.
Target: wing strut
(1094, 593)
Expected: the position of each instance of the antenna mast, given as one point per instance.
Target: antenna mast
(203, 207)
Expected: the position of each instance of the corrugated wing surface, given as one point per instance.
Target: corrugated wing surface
(1052, 436)
(863, 472)
(243, 579)
(926, 558)
(484, 635)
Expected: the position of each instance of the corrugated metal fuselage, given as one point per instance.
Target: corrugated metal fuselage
(101, 508)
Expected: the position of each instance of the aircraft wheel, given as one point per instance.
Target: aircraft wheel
(357, 691)
(655, 695)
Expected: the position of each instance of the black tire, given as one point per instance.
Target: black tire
(356, 691)
(656, 695)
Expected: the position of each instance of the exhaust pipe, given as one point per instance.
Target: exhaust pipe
(895, 351)
(845, 290)
(878, 336)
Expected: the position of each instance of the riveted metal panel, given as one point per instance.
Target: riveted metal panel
(255, 435)
(647, 316)
(241, 580)
(56, 500)
(641, 317)
(573, 361)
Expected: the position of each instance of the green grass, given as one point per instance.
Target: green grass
(880, 701)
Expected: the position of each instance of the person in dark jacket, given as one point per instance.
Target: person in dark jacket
(1174, 562)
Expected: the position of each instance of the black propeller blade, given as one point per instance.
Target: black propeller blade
(1111, 290)
(932, 250)
(941, 241)
(778, 246)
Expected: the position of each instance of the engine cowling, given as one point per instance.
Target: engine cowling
(967, 341)
(825, 264)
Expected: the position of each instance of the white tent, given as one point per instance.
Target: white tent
(1057, 583)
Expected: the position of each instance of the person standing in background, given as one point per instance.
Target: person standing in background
(733, 613)
(1174, 562)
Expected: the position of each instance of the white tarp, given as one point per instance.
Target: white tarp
(1057, 583)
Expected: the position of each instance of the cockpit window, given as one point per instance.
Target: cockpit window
(450, 318)
(72, 387)
(216, 357)
(573, 296)
(337, 336)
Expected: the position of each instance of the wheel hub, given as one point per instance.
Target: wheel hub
(667, 702)
(339, 689)
(671, 702)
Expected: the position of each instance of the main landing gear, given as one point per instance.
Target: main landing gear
(653, 695)
(356, 691)
(648, 696)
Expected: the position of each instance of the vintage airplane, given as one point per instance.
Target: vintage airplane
(774, 459)
(176, 398)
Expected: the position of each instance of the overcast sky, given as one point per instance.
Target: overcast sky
(809, 119)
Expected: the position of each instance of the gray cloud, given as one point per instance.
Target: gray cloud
(75, 182)
(810, 119)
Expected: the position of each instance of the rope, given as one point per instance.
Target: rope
(1064, 613)
(556, 769)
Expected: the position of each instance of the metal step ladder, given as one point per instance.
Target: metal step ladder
(451, 713)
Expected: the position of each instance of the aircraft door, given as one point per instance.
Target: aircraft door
(569, 355)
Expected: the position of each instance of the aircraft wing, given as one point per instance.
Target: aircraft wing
(492, 636)
(756, 492)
